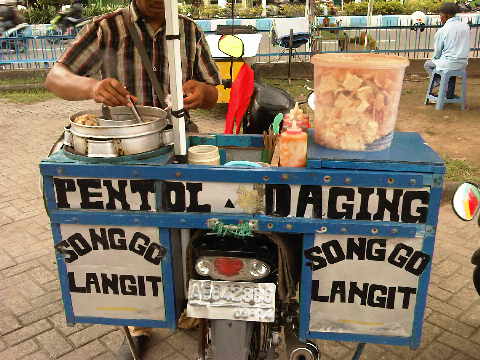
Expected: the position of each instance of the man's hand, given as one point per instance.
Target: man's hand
(110, 92)
(195, 92)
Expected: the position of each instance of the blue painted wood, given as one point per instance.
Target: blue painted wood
(168, 280)
(227, 140)
(201, 173)
(265, 223)
(305, 290)
(408, 152)
(63, 275)
(49, 193)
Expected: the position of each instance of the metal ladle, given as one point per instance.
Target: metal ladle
(135, 111)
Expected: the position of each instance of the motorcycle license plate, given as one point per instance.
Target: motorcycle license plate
(228, 300)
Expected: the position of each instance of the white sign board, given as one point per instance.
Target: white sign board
(365, 285)
(114, 272)
(302, 201)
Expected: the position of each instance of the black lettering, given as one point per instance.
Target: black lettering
(91, 279)
(378, 301)
(377, 254)
(396, 258)
(315, 292)
(417, 263)
(85, 185)
(385, 204)
(408, 198)
(137, 248)
(333, 195)
(338, 288)
(406, 291)
(315, 199)
(178, 189)
(69, 255)
(392, 291)
(333, 251)
(62, 186)
(356, 248)
(154, 280)
(79, 244)
(119, 243)
(109, 284)
(316, 260)
(72, 286)
(114, 194)
(194, 189)
(278, 199)
(141, 286)
(143, 187)
(99, 239)
(356, 291)
(154, 254)
(129, 289)
(363, 213)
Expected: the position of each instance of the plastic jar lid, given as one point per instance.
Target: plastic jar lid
(202, 153)
(367, 61)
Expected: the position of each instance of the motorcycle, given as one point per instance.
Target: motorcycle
(466, 204)
(67, 23)
(12, 27)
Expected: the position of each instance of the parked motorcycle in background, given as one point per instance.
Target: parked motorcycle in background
(466, 204)
(12, 26)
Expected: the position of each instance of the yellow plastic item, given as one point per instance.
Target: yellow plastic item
(224, 67)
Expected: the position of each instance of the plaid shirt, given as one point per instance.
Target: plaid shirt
(106, 46)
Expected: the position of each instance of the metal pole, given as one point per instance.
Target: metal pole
(359, 351)
(131, 344)
(290, 50)
(175, 74)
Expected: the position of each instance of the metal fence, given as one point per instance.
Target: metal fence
(415, 42)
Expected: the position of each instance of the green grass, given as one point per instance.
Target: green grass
(461, 170)
(296, 88)
(23, 80)
(26, 96)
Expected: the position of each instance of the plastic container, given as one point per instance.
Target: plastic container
(303, 120)
(293, 147)
(356, 100)
(203, 155)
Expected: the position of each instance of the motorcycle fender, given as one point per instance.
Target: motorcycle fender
(476, 258)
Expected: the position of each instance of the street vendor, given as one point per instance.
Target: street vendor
(452, 46)
(106, 47)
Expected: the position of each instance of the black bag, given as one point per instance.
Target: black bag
(237, 29)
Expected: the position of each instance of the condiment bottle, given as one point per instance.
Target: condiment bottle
(296, 113)
(293, 147)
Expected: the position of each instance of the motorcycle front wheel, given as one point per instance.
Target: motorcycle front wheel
(476, 279)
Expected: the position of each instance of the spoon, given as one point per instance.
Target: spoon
(135, 110)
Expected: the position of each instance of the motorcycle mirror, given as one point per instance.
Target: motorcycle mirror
(311, 100)
(466, 201)
(231, 45)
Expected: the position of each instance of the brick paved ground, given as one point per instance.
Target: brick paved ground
(31, 319)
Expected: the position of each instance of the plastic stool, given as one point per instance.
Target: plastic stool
(441, 99)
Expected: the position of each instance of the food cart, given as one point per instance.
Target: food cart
(364, 224)
(367, 223)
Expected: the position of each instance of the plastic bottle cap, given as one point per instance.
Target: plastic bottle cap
(294, 129)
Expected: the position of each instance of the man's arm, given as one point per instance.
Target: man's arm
(439, 44)
(69, 86)
(199, 95)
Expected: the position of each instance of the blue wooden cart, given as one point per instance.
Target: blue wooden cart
(368, 221)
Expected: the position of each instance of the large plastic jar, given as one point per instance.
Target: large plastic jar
(356, 100)
(204, 155)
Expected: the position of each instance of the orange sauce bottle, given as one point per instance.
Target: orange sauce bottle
(293, 147)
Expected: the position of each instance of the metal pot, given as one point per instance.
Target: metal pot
(120, 135)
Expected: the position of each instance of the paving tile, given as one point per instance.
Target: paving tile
(463, 345)
(437, 351)
(26, 332)
(88, 351)
(54, 343)
(19, 351)
(86, 335)
(8, 323)
(451, 325)
(41, 313)
(59, 322)
(472, 316)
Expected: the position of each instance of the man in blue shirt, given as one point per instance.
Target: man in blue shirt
(452, 46)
